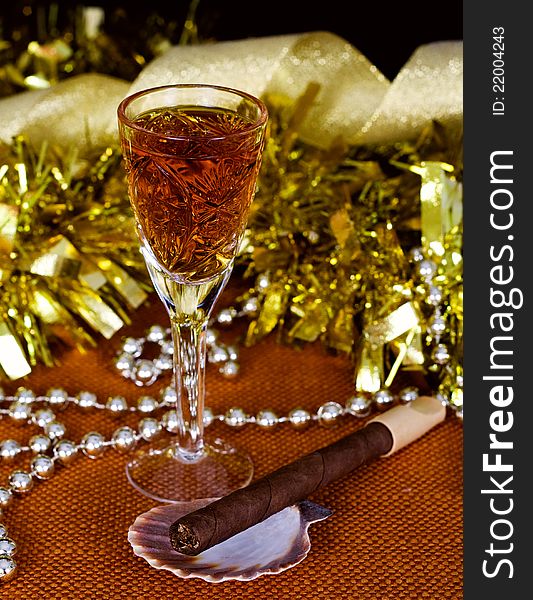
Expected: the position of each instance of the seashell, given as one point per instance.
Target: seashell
(274, 545)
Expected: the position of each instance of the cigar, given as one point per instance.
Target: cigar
(243, 508)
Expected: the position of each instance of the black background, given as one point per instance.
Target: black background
(387, 33)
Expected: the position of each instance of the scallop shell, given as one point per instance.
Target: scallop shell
(274, 545)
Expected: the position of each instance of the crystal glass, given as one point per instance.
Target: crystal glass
(192, 154)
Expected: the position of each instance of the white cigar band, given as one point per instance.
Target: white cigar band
(409, 422)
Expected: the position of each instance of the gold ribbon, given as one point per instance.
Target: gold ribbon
(356, 101)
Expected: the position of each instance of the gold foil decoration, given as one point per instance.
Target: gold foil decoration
(58, 258)
(436, 216)
(412, 353)
(126, 285)
(398, 322)
(46, 58)
(57, 320)
(47, 308)
(370, 367)
(329, 229)
(8, 229)
(272, 310)
(341, 330)
(313, 321)
(91, 275)
(94, 311)
(12, 358)
(403, 347)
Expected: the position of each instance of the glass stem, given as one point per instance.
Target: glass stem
(189, 306)
(189, 338)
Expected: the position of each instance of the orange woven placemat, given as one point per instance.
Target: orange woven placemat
(396, 531)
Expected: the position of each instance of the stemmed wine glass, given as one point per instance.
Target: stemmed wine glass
(192, 154)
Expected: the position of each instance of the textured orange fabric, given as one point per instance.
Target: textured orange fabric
(396, 530)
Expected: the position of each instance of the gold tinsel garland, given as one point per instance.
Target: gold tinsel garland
(362, 249)
(69, 260)
(358, 247)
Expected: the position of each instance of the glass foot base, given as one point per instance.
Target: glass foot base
(155, 471)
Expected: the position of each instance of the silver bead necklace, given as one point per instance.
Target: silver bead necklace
(132, 363)
(51, 448)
